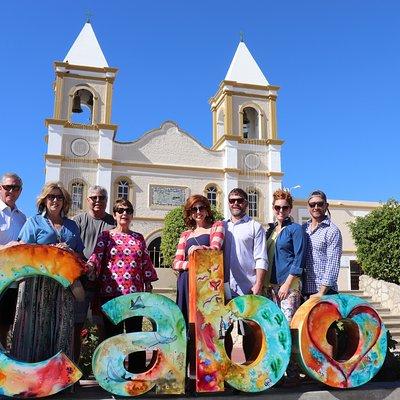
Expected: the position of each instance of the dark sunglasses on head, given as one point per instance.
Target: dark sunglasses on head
(279, 208)
(319, 204)
(198, 209)
(240, 200)
(121, 210)
(9, 188)
(97, 198)
(53, 197)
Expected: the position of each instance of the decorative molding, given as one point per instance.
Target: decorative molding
(84, 67)
(84, 77)
(67, 124)
(245, 94)
(265, 142)
(232, 170)
(223, 138)
(248, 85)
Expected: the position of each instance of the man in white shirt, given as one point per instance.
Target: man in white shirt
(245, 260)
(11, 222)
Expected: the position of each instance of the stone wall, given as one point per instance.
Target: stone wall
(388, 294)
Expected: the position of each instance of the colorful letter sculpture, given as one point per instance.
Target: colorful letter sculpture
(22, 379)
(212, 318)
(168, 338)
(366, 341)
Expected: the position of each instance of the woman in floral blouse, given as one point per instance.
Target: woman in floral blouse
(122, 265)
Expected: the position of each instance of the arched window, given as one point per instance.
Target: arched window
(212, 194)
(123, 189)
(250, 123)
(82, 107)
(220, 123)
(156, 256)
(254, 206)
(77, 189)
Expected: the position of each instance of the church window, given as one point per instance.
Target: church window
(123, 189)
(250, 123)
(212, 193)
(253, 199)
(77, 189)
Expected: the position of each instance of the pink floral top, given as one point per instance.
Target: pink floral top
(122, 263)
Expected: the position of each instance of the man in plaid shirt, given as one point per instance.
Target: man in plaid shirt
(324, 249)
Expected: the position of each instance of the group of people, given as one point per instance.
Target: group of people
(115, 261)
(287, 262)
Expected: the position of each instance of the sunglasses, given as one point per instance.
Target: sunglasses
(53, 197)
(279, 208)
(9, 188)
(240, 200)
(97, 198)
(121, 210)
(319, 204)
(197, 209)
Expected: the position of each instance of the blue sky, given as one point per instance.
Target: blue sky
(337, 63)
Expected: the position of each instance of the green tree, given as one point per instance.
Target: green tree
(174, 225)
(377, 237)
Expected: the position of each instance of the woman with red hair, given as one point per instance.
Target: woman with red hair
(202, 233)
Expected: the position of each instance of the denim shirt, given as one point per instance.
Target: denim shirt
(290, 252)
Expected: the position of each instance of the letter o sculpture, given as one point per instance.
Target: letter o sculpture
(366, 341)
(22, 379)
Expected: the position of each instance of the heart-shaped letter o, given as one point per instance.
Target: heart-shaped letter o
(359, 335)
(44, 378)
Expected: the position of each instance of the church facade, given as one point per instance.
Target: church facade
(159, 170)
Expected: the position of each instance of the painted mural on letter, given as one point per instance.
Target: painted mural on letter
(22, 379)
(318, 346)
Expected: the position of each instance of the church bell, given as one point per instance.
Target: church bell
(76, 104)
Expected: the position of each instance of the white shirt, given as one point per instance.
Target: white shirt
(245, 251)
(11, 222)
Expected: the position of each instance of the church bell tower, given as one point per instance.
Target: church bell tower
(80, 133)
(245, 127)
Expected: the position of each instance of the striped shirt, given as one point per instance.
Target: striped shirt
(324, 249)
(217, 235)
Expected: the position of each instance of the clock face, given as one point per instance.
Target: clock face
(80, 147)
(252, 161)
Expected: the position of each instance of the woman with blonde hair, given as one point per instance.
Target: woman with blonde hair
(45, 314)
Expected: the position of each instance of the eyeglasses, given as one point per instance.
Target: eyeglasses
(53, 197)
(279, 208)
(239, 200)
(197, 209)
(121, 210)
(97, 198)
(319, 204)
(9, 188)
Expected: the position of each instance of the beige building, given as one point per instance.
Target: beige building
(159, 170)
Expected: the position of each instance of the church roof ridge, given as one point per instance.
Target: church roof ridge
(244, 68)
(86, 49)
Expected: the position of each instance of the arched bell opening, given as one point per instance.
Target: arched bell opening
(82, 107)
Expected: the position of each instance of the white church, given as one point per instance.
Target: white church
(159, 170)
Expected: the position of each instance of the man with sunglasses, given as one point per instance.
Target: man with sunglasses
(11, 222)
(245, 258)
(91, 224)
(324, 248)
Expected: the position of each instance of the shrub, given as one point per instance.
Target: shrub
(377, 237)
(90, 340)
(174, 225)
